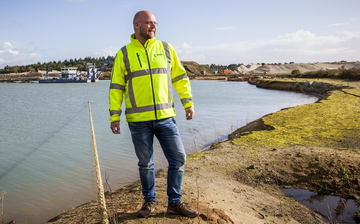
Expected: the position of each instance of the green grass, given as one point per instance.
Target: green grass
(333, 122)
(195, 156)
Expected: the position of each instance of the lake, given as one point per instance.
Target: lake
(46, 155)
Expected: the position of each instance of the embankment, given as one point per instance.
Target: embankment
(20, 77)
(311, 87)
(208, 77)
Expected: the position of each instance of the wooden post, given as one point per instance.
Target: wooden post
(101, 196)
(3, 193)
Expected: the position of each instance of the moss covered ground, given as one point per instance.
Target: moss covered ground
(334, 121)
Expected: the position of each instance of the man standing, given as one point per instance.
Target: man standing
(145, 70)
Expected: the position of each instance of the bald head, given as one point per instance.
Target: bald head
(139, 15)
(144, 26)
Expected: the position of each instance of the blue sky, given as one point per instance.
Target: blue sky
(220, 32)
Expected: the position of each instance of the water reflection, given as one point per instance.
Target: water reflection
(332, 209)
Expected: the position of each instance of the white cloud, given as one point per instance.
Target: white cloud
(7, 45)
(7, 48)
(349, 34)
(339, 24)
(304, 39)
(310, 52)
(188, 52)
(224, 28)
(12, 56)
(299, 46)
(110, 51)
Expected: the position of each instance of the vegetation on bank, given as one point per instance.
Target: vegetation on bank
(314, 146)
(342, 73)
(332, 122)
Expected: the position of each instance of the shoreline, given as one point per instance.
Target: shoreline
(224, 192)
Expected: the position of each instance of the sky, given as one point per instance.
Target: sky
(207, 32)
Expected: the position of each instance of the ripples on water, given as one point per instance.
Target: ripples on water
(46, 162)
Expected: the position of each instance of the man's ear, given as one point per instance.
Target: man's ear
(136, 25)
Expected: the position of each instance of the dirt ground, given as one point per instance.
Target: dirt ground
(232, 183)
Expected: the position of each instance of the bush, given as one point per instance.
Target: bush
(295, 72)
(351, 74)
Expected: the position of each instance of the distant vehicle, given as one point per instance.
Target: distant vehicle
(226, 71)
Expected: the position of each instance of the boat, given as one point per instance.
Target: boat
(68, 75)
(72, 75)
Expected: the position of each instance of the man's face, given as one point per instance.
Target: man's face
(146, 26)
(148, 29)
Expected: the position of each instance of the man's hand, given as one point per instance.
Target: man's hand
(115, 127)
(189, 113)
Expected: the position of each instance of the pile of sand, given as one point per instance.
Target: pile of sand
(242, 69)
(288, 68)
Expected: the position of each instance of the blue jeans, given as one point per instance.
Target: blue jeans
(167, 133)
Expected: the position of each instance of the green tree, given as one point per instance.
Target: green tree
(233, 66)
(29, 69)
(14, 69)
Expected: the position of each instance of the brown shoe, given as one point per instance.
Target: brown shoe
(146, 209)
(182, 209)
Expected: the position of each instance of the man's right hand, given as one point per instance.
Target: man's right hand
(115, 127)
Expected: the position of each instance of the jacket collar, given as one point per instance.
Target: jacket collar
(137, 43)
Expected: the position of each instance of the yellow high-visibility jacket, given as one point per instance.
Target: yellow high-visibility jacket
(146, 74)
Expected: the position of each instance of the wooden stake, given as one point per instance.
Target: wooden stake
(3, 193)
(101, 196)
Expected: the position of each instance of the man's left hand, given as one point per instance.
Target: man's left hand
(189, 113)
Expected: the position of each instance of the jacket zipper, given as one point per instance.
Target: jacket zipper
(139, 59)
(152, 84)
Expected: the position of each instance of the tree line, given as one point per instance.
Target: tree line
(81, 65)
(57, 65)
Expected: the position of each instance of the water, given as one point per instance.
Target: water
(46, 157)
(332, 209)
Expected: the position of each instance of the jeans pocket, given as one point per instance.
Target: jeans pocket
(173, 119)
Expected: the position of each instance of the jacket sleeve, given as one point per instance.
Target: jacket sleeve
(180, 80)
(117, 88)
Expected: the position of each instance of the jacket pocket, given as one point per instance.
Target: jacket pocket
(138, 56)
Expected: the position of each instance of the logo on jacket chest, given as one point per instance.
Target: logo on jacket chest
(157, 55)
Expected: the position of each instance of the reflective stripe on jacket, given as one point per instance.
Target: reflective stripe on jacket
(146, 74)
